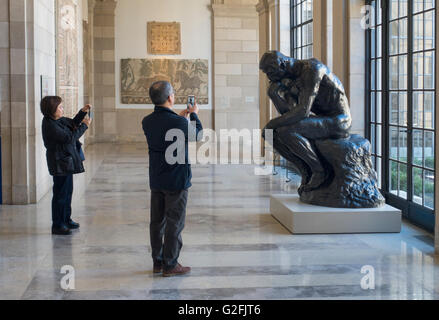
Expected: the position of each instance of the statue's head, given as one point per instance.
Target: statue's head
(274, 65)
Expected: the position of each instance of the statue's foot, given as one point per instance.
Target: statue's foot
(317, 179)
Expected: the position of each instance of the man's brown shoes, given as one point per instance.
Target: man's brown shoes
(179, 270)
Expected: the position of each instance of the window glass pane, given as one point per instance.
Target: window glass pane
(394, 9)
(403, 109)
(379, 106)
(402, 181)
(310, 33)
(429, 110)
(403, 36)
(393, 69)
(394, 28)
(428, 4)
(417, 186)
(403, 8)
(402, 145)
(378, 140)
(393, 143)
(372, 138)
(429, 70)
(403, 72)
(429, 189)
(417, 147)
(393, 187)
(429, 150)
(373, 43)
(379, 171)
(418, 70)
(418, 32)
(428, 30)
(377, 5)
(373, 75)
(394, 108)
(379, 34)
(418, 5)
(418, 109)
(379, 74)
(372, 107)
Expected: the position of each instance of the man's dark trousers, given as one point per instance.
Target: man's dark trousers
(62, 200)
(168, 213)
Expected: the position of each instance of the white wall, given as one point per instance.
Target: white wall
(131, 21)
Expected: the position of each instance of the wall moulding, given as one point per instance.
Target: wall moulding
(233, 11)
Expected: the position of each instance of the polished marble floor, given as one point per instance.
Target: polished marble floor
(236, 249)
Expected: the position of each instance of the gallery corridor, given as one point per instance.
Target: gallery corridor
(236, 249)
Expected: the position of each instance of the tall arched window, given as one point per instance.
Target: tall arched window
(401, 97)
(301, 29)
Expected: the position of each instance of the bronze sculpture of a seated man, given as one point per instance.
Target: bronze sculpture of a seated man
(312, 132)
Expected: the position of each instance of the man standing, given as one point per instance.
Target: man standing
(169, 181)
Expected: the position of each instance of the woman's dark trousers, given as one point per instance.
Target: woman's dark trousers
(168, 213)
(62, 200)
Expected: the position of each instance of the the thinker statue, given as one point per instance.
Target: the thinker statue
(312, 133)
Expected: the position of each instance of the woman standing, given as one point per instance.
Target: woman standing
(64, 158)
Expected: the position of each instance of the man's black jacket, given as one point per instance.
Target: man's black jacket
(163, 175)
(61, 141)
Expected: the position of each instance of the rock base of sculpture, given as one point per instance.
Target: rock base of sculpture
(351, 181)
(302, 218)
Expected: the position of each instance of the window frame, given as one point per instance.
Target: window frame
(418, 214)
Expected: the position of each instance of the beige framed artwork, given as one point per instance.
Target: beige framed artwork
(164, 37)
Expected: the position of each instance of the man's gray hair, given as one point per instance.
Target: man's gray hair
(160, 91)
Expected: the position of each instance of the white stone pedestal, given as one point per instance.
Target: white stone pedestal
(302, 218)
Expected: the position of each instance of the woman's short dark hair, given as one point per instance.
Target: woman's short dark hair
(49, 105)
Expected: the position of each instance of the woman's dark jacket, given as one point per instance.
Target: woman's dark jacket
(62, 144)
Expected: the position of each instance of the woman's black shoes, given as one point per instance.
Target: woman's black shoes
(73, 225)
(61, 231)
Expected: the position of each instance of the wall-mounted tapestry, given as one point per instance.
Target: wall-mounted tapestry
(188, 77)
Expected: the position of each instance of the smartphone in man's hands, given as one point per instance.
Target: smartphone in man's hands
(190, 101)
(90, 114)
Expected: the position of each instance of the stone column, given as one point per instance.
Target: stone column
(5, 105)
(329, 33)
(264, 46)
(349, 58)
(285, 27)
(274, 27)
(104, 71)
(21, 99)
(340, 41)
(89, 65)
(357, 66)
(236, 57)
(320, 45)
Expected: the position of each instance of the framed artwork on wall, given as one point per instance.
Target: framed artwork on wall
(164, 38)
(187, 76)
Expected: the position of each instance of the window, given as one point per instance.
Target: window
(401, 96)
(301, 29)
